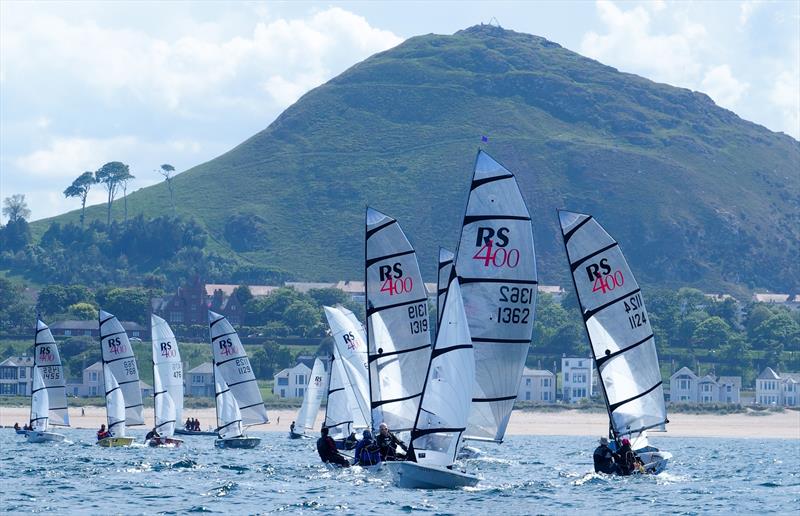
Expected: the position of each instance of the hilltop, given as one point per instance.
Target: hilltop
(695, 195)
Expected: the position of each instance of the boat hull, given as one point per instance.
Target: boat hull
(469, 452)
(293, 435)
(654, 461)
(181, 431)
(238, 442)
(411, 475)
(35, 436)
(114, 442)
(165, 441)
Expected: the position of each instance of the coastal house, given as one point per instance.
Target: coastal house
(787, 300)
(683, 386)
(291, 382)
(554, 290)
(707, 389)
(92, 329)
(730, 389)
(15, 376)
(92, 381)
(777, 389)
(537, 385)
(201, 381)
(577, 378)
(189, 304)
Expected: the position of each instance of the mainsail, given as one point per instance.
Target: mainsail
(120, 369)
(399, 341)
(167, 377)
(445, 405)
(312, 398)
(348, 392)
(49, 394)
(229, 417)
(236, 377)
(443, 277)
(115, 403)
(618, 326)
(496, 261)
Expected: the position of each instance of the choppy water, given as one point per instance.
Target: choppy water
(525, 475)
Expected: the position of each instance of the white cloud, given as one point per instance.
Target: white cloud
(630, 44)
(66, 158)
(723, 87)
(785, 95)
(746, 10)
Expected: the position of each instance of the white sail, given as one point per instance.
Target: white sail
(446, 402)
(229, 417)
(397, 323)
(115, 403)
(496, 261)
(312, 399)
(348, 394)
(167, 377)
(49, 394)
(618, 326)
(443, 277)
(118, 356)
(234, 368)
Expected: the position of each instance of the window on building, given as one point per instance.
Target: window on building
(283, 393)
(545, 382)
(300, 379)
(22, 372)
(8, 373)
(176, 317)
(527, 395)
(527, 381)
(67, 332)
(566, 363)
(93, 376)
(683, 384)
(300, 392)
(93, 391)
(546, 396)
(88, 333)
(8, 388)
(728, 388)
(283, 380)
(197, 379)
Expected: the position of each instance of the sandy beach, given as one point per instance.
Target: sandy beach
(783, 425)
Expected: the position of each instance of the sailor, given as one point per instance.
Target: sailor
(350, 441)
(102, 433)
(291, 427)
(197, 425)
(604, 459)
(627, 459)
(151, 435)
(16, 426)
(388, 443)
(188, 425)
(367, 452)
(326, 448)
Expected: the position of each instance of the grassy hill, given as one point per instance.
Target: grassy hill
(696, 195)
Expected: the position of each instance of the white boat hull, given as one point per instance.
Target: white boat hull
(35, 436)
(469, 452)
(654, 461)
(411, 475)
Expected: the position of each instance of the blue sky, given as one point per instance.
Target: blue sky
(146, 83)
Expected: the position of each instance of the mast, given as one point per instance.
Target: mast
(370, 422)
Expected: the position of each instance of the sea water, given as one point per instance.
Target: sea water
(524, 475)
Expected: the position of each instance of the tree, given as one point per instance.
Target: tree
(243, 294)
(110, 175)
(166, 171)
(83, 311)
(123, 181)
(16, 208)
(80, 188)
(711, 334)
(128, 304)
(15, 235)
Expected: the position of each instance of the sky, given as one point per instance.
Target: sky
(147, 83)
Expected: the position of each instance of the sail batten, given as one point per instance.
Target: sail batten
(398, 336)
(497, 266)
(121, 375)
(618, 326)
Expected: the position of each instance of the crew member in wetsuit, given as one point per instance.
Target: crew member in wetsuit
(326, 447)
(366, 451)
(388, 443)
(103, 433)
(627, 459)
(151, 434)
(604, 459)
(291, 427)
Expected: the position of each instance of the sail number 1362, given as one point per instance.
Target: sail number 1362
(516, 295)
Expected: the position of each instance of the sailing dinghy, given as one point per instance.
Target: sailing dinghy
(121, 380)
(49, 395)
(398, 335)
(620, 335)
(347, 409)
(312, 399)
(167, 383)
(238, 399)
(444, 408)
(496, 261)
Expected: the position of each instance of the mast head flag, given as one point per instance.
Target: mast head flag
(120, 362)
(234, 367)
(397, 323)
(496, 261)
(618, 326)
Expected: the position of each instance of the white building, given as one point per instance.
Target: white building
(291, 382)
(577, 379)
(15, 376)
(537, 385)
(687, 387)
(201, 381)
(777, 389)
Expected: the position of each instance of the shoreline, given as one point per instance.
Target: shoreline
(781, 425)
